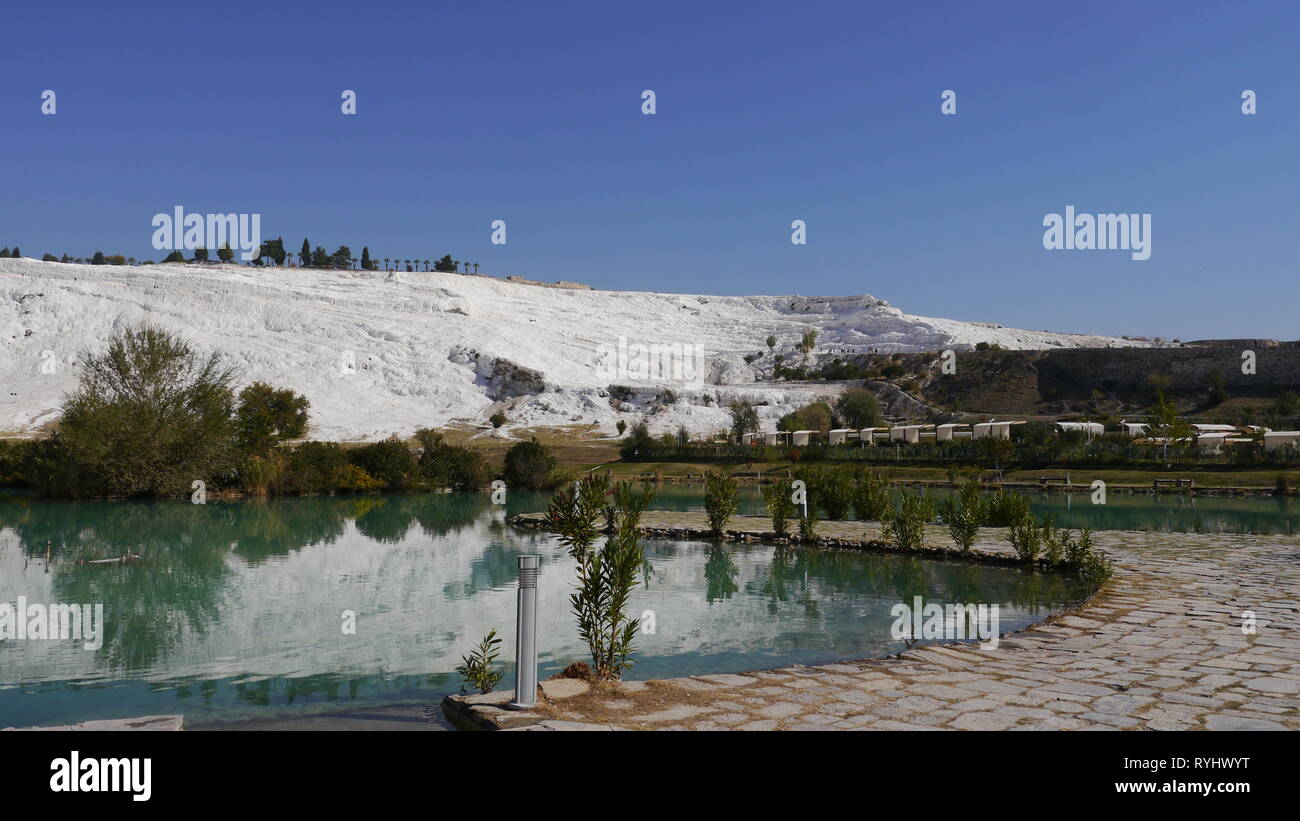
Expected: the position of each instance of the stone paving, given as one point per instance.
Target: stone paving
(1160, 647)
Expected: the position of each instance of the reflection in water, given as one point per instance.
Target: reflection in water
(234, 609)
(1122, 511)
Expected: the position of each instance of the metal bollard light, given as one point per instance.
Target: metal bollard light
(526, 634)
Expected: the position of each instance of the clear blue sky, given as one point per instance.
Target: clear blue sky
(767, 112)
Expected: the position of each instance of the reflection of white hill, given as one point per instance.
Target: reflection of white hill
(421, 602)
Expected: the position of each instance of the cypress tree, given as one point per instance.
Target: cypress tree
(365, 258)
(304, 256)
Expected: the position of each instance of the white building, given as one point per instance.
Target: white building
(910, 434)
(1214, 440)
(868, 435)
(993, 430)
(1214, 428)
(1275, 439)
(801, 438)
(841, 435)
(948, 431)
(1133, 428)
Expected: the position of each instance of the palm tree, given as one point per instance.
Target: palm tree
(385, 263)
(426, 266)
(476, 267)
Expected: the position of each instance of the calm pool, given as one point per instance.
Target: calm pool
(235, 609)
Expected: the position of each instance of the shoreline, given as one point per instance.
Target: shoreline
(1163, 645)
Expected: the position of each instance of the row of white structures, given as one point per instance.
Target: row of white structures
(894, 433)
(1208, 436)
(1216, 436)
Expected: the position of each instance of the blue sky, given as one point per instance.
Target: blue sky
(766, 112)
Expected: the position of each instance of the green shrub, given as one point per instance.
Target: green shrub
(871, 499)
(1027, 539)
(390, 462)
(832, 489)
(966, 515)
(1005, 509)
(605, 577)
(1055, 540)
(530, 466)
(627, 506)
(776, 497)
(479, 667)
(259, 473)
(719, 500)
(316, 467)
(807, 527)
(1077, 550)
(498, 419)
(906, 524)
(1096, 569)
(574, 513)
(442, 465)
(356, 480)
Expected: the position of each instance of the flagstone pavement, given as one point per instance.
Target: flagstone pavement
(1160, 647)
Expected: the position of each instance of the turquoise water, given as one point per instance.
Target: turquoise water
(235, 610)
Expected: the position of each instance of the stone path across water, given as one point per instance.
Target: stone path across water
(1160, 647)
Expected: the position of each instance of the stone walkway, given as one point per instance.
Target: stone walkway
(1160, 647)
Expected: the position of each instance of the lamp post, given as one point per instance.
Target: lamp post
(526, 634)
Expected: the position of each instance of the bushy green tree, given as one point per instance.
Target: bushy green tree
(744, 419)
(529, 466)
(150, 416)
(638, 443)
(389, 461)
(265, 417)
(817, 416)
(858, 408)
(449, 466)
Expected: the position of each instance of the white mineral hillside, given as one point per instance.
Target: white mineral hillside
(381, 353)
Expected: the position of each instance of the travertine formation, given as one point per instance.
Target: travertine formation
(1165, 645)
